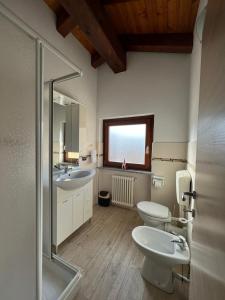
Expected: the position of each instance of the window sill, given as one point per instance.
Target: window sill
(126, 171)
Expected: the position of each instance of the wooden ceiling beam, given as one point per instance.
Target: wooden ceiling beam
(96, 60)
(110, 2)
(64, 23)
(168, 43)
(90, 17)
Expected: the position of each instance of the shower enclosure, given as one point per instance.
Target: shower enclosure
(20, 157)
(26, 77)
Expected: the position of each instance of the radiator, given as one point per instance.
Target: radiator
(123, 190)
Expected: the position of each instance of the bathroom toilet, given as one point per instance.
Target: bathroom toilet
(159, 216)
(162, 251)
(154, 214)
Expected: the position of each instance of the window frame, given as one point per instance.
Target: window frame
(146, 119)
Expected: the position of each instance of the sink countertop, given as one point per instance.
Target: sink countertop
(73, 178)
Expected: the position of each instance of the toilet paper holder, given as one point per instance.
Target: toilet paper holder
(158, 181)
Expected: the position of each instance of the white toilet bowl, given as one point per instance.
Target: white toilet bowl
(161, 255)
(154, 214)
(159, 216)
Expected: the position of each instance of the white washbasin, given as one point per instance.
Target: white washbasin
(74, 179)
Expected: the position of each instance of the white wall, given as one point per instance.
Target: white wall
(195, 71)
(153, 83)
(40, 18)
(158, 84)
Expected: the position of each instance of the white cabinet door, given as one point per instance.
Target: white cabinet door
(88, 201)
(66, 218)
(74, 208)
(78, 209)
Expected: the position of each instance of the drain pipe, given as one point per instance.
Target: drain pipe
(181, 277)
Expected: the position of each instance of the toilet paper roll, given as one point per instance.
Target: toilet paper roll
(158, 181)
(158, 184)
(184, 221)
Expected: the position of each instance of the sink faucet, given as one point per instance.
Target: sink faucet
(58, 166)
(66, 169)
(181, 241)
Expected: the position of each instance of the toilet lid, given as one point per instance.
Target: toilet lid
(154, 209)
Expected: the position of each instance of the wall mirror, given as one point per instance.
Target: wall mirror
(69, 127)
(66, 117)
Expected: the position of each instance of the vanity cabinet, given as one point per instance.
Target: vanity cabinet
(78, 208)
(88, 202)
(74, 208)
(65, 217)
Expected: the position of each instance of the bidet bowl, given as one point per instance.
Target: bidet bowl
(161, 255)
(157, 244)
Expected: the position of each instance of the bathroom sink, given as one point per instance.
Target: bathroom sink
(75, 179)
(79, 174)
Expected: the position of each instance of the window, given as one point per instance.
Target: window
(129, 139)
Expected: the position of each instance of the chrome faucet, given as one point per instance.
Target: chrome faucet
(66, 169)
(181, 241)
(190, 194)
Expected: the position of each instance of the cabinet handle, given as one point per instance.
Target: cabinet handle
(65, 201)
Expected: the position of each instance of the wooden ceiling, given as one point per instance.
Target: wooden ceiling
(110, 28)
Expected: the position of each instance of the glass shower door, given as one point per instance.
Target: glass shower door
(18, 200)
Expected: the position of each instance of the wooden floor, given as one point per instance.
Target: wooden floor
(111, 263)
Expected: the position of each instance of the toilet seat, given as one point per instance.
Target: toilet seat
(154, 210)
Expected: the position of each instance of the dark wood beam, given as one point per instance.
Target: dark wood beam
(91, 19)
(96, 60)
(168, 42)
(64, 23)
(109, 2)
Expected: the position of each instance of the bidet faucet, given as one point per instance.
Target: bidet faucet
(181, 241)
(190, 194)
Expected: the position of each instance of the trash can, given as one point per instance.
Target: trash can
(104, 198)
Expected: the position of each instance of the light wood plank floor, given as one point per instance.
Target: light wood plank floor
(110, 261)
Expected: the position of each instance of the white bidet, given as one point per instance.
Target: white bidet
(162, 252)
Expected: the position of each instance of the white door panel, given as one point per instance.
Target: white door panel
(66, 218)
(88, 201)
(208, 245)
(78, 209)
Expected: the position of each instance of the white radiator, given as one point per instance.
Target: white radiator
(123, 190)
